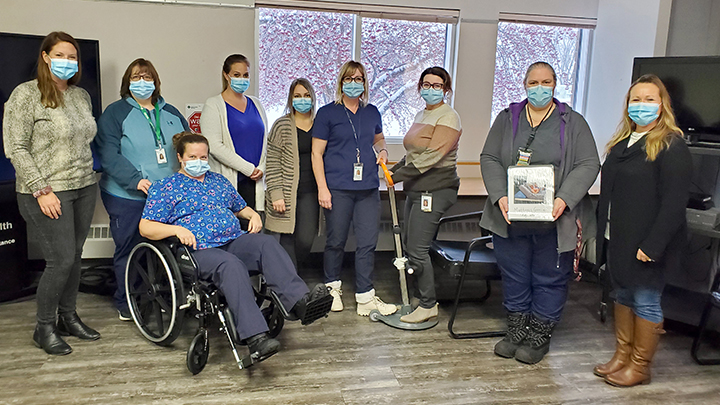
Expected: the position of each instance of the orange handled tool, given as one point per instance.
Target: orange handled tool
(388, 178)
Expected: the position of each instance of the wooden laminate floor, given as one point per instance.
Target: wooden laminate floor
(343, 359)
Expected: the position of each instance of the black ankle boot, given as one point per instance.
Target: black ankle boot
(47, 337)
(71, 325)
(517, 331)
(262, 346)
(537, 342)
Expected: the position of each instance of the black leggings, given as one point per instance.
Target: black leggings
(62, 242)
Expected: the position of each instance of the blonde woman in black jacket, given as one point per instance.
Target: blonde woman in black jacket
(641, 223)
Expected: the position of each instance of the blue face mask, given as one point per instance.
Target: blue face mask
(239, 84)
(302, 104)
(539, 96)
(353, 89)
(643, 113)
(432, 96)
(197, 167)
(141, 89)
(63, 69)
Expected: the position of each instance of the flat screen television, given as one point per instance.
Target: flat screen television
(19, 64)
(694, 87)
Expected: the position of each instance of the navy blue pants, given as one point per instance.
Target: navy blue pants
(124, 220)
(229, 267)
(362, 208)
(534, 274)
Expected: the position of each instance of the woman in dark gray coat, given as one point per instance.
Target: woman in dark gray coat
(536, 258)
(641, 223)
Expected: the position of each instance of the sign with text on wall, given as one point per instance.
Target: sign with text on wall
(192, 114)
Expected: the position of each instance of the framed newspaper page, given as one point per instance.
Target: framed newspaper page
(531, 193)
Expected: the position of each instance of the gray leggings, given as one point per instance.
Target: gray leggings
(61, 241)
(419, 231)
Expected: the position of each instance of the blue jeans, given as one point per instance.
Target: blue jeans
(362, 208)
(534, 274)
(645, 302)
(124, 216)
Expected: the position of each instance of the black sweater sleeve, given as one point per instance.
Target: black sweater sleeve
(675, 173)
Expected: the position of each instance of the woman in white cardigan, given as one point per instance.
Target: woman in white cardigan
(236, 127)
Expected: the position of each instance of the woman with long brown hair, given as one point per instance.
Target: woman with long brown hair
(641, 223)
(47, 130)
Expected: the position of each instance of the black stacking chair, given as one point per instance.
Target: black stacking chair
(713, 301)
(462, 259)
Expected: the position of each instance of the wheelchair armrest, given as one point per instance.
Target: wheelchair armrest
(460, 217)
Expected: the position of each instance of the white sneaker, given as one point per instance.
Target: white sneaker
(363, 309)
(337, 304)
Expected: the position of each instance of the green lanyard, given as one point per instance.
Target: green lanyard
(156, 128)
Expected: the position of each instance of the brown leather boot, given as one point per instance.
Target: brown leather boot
(624, 325)
(645, 342)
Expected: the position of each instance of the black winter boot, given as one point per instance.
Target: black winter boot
(46, 336)
(537, 342)
(517, 330)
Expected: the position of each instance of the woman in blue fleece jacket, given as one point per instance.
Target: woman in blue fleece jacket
(134, 141)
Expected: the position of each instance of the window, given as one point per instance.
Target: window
(314, 44)
(296, 43)
(521, 44)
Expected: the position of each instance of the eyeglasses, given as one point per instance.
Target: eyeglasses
(358, 79)
(146, 77)
(436, 86)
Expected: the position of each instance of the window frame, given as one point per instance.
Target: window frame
(451, 38)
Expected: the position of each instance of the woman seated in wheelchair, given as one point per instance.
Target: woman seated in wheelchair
(201, 208)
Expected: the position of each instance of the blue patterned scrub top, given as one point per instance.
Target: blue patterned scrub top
(206, 208)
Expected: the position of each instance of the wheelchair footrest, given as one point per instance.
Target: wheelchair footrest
(254, 358)
(317, 309)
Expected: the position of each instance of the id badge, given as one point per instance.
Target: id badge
(357, 172)
(160, 155)
(426, 202)
(524, 156)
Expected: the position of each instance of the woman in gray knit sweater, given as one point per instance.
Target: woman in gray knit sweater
(47, 130)
(291, 204)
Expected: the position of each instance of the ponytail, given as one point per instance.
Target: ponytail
(181, 139)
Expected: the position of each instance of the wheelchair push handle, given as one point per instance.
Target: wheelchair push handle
(388, 178)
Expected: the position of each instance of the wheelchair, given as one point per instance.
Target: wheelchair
(162, 289)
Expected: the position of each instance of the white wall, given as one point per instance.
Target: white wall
(695, 28)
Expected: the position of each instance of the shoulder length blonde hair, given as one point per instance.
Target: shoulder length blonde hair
(50, 96)
(660, 136)
(346, 70)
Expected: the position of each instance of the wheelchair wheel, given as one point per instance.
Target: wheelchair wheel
(274, 320)
(154, 290)
(197, 354)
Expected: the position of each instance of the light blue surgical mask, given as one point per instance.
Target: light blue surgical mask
(353, 89)
(643, 113)
(302, 104)
(239, 84)
(142, 89)
(63, 69)
(432, 96)
(197, 167)
(539, 96)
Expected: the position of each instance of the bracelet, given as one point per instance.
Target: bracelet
(383, 149)
(43, 191)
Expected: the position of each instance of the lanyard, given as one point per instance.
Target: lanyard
(533, 129)
(159, 140)
(357, 147)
